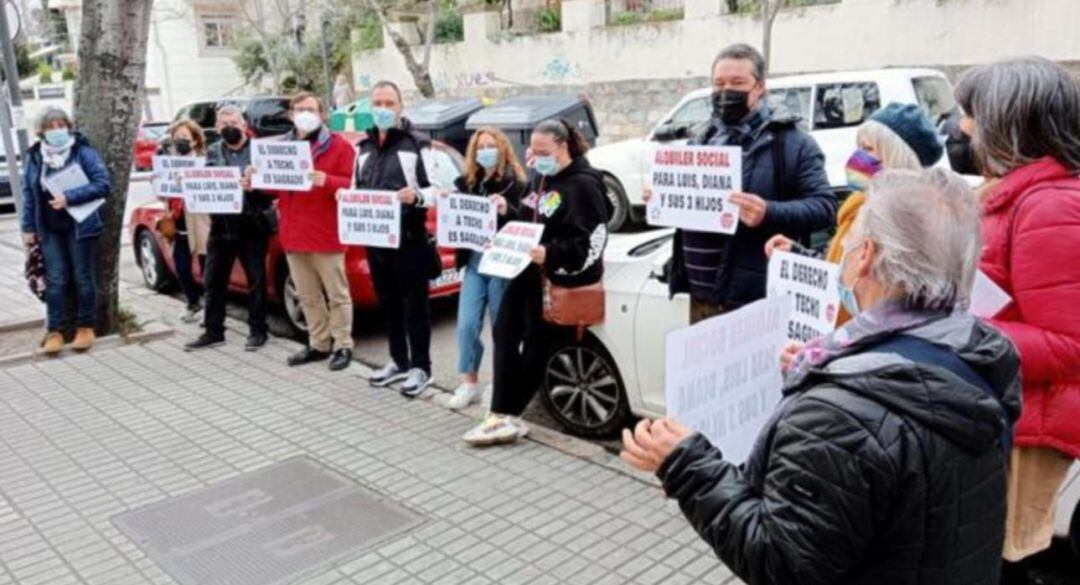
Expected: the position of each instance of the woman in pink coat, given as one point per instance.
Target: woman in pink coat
(1023, 117)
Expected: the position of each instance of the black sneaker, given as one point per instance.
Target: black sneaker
(306, 356)
(341, 360)
(254, 342)
(204, 341)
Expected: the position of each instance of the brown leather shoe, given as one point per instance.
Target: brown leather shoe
(84, 339)
(54, 343)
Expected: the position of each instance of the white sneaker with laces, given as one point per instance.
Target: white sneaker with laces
(496, 429)
(417, 380)
(387, 375)
(465, 395)
(191, 315)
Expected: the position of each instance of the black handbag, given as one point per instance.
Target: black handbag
(269, 220)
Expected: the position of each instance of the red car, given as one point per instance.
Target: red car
(146, 143)
(153, 253)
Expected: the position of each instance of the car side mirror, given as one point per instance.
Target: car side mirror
(668, 132)
(661, 270)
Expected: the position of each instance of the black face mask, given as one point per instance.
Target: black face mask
(731, 106)
(183, 146)
(232, 135)
(961, 156)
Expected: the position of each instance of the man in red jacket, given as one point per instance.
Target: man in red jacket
(309, 235)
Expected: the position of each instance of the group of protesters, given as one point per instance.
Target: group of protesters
(916, 444)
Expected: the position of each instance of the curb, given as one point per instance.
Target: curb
(152, 331)
(13, 326)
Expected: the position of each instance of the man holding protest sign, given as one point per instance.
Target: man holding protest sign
(885, 461)
(236, 236)
(395, 158)
(309, 230)
(784, 189)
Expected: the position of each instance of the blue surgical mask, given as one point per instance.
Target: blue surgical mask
(57, 137)
(847, 293)
(488, 157)
(546, 165)
(384, 118)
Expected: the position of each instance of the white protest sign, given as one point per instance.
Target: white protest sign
(508, 255)
(167, 170)
(692, 185)
(212, 190)
(466, 221)
(722, 376)
(369, 218)
(812, 284)
(987, 298)
(280, 165)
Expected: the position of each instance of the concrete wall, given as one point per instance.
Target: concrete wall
(636, 73)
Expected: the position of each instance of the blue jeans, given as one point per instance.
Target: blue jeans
(477, 293)
(68, 258)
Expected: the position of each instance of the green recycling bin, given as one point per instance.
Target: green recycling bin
(356, 117)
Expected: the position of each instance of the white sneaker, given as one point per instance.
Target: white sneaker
(387, 375)
(496, 429)
(191, 315)
(417, 381)
(465, 395)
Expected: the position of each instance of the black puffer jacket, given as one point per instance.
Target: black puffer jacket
(509, 187)
(573, 207)
(251, 221)
(875, 470)
(399, 162)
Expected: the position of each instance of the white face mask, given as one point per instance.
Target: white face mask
(307, 122)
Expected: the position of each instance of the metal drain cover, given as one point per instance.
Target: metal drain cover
(265, 528)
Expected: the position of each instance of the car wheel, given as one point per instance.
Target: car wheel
(290, 303)
(620, 204)
(583, 390)
(151, 263)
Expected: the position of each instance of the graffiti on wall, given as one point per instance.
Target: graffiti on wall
(560, 69)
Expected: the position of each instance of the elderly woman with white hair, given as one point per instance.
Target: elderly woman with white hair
(898, 136)
(63, 179)
(885, 461)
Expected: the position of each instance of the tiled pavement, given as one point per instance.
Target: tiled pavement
(17, 305)
(87, 437)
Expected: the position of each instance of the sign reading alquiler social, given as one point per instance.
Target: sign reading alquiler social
(281, 165)
(722, 376)
(508, 255)
(466, 221)
(692, 186)
(369, 218)
(213, 190)
(812, 284)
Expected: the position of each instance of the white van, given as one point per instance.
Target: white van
(832, 105)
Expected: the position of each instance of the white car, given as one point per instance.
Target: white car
(832, 105)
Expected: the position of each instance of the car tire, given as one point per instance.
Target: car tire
(620, 214)
(290, 303)
(583, 391)
(151, 262)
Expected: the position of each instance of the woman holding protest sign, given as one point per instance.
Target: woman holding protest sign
(187, 231)
(567, 197)
(62, 174)
(492, 170)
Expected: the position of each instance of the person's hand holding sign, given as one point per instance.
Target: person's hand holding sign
(538, 255)
(318, 178)
(787, 357)
(245, 179)
(407, 195)
(500, 204)
(778, 242)
(751, 208)
(646, 195)
(651, 443)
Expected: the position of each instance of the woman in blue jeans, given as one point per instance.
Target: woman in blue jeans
(63, 179)
(492, 170)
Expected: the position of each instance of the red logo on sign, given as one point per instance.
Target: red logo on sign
(727, 219)
(392, 240)
(830, 312)
(303, 165)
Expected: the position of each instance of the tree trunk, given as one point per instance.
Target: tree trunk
(769, 10)
(108, 105)
(420, 74)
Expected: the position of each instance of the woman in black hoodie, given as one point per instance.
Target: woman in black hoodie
(567, 196)
(492, 171)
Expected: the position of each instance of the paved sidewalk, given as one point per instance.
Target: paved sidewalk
(88, 437)
(18, 307)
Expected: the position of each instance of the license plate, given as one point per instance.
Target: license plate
(449, 276)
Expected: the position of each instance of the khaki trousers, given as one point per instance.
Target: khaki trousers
(323, 289)
(1035, 476)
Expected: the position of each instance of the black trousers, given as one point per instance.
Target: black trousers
(523, 342)
(222, 254)
(401, 283)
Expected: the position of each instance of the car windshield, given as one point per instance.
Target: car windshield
(154, 132)
(935, 96)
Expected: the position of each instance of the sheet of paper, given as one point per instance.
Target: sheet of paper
(508, 255)
(466, 221)
(812, 285)
(369, 218)
(281, 165)
(80, 212)
(69, 178)
(722, 375)
(692, 186)
(987, 298)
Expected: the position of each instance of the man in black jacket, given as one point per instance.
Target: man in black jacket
(243, 236)
(885, 462)
(785, 190)
(395, 158)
